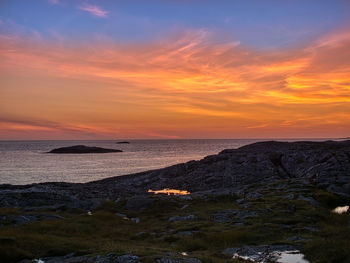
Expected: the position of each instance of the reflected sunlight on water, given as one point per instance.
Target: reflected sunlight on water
(277, 256)
(169, 191)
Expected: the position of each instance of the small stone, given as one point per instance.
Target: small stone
(288, 196)
(135, 219)
(121, 215)
(184, 207)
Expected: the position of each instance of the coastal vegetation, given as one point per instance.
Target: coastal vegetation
(320, 234)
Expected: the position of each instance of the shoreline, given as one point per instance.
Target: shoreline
(234, 205)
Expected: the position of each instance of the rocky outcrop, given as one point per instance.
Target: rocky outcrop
(83, 149)
(323, 164)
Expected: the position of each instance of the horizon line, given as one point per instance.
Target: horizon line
(177, 139)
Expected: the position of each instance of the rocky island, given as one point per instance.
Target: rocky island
(259, 203)
(79, 149)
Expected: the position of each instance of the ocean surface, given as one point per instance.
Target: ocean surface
(25, 162)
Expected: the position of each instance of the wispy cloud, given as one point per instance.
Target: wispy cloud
(182, 86)
(93, 10)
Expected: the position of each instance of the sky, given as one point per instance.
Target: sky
(171, 69)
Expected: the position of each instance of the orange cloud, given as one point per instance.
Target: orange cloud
(184, 86)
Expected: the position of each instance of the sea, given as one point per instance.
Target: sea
(26, 162)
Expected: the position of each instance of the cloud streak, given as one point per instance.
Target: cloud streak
(93, 10)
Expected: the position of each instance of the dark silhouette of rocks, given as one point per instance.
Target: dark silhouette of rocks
(325, 165)
(123, 142)
(83, 149)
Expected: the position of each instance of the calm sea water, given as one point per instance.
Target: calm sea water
(24, 162)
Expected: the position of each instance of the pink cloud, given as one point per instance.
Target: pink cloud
(93, 10)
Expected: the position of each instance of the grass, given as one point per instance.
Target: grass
(105, 232)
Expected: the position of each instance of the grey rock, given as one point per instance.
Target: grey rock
(128, 258)
(299, 239)
(185, 197)
(258, 253)
(239, 201)
(177, 260)
(187, 233)
(135, 219)
(19, 220)
(343, 190)
(245, 205)
(70, 258)
(310, 228)
(226, 216)
(121, 215)
(184, 207)
(141, 234)
(182, 218)
(288, 196)
(253, 195)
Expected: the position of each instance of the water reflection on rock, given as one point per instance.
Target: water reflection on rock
(264, 254)
(169, 191)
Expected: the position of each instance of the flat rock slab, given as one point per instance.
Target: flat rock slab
(178, 260)
(79, 149)
(71, 258)
(264, 253)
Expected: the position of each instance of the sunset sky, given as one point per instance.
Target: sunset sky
(174, 69)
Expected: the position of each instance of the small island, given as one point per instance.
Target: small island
(123, 142)
(80, 149)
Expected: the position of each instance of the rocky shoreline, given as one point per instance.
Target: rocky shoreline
(252, 203)
(323, 164)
